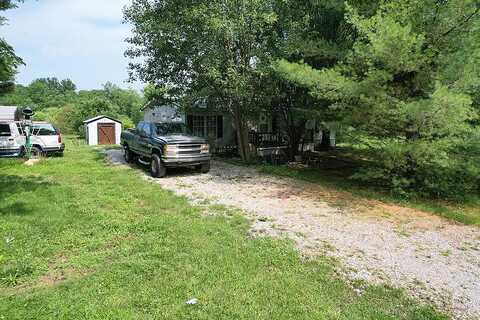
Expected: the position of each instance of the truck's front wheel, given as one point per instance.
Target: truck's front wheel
(157, 169)
(128, 154)
(204, 168)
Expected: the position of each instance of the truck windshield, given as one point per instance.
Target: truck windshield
(171, 128)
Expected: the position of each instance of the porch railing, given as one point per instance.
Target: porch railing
(266, 139)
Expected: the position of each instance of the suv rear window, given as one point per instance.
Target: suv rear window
(44, 130)
(5, 130)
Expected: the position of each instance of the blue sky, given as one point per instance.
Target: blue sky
(78, 39)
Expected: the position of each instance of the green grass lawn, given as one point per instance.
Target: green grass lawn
(82, 240)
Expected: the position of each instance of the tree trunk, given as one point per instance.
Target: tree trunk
(294, 143)
(325, 145)
(242, 134)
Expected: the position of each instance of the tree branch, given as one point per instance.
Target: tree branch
(461, 24)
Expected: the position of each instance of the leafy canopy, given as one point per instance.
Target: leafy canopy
(9, 61)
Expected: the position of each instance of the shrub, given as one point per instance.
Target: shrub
(444, 168)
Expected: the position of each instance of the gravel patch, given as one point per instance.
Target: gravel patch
(434, 259)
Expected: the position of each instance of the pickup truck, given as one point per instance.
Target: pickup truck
(165, 145)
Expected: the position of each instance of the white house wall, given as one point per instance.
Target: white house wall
(92, 134)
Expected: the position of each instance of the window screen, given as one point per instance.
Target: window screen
(198, 128)
(211, 126)
(205, 126)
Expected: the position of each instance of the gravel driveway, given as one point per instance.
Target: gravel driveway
(434, 259)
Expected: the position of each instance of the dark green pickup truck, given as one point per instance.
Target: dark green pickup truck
(165, 145)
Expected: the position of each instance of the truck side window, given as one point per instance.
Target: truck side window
(140, 127)
(147, 130)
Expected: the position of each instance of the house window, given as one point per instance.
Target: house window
(211, 126)
(206, 126)
(198, 128)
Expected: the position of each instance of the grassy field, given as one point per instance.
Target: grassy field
(82, 240)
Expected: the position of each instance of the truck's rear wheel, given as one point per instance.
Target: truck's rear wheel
(128, 155)
(157, 169)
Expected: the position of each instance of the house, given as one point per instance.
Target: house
(267, 133)
(102, 130)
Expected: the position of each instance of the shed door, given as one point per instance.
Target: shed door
(106, 133)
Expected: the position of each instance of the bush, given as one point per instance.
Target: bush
(126, 122)
(446, 168)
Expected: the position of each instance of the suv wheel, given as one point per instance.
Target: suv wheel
(157, 169)
(36, 153)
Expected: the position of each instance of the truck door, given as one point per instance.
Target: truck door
(144, 138)
(135, 142)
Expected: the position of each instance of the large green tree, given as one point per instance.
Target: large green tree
(398, 85)
(59, 102)
(9, 61)
(316, 33)
(210, 48)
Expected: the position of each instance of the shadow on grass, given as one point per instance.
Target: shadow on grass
(11, 185)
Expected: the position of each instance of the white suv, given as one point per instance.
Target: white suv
(45, 139)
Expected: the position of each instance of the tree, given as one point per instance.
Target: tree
(9, 61)
(128, 101)
(160, 95)
(394, 85)
(316, 33)
(67, 86)
(92, 108)
(214, 49)
(57, 101)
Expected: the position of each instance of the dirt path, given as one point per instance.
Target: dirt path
(434, 259)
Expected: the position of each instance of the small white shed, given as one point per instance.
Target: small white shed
(102, 130)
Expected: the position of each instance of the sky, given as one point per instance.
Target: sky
(82, 40)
